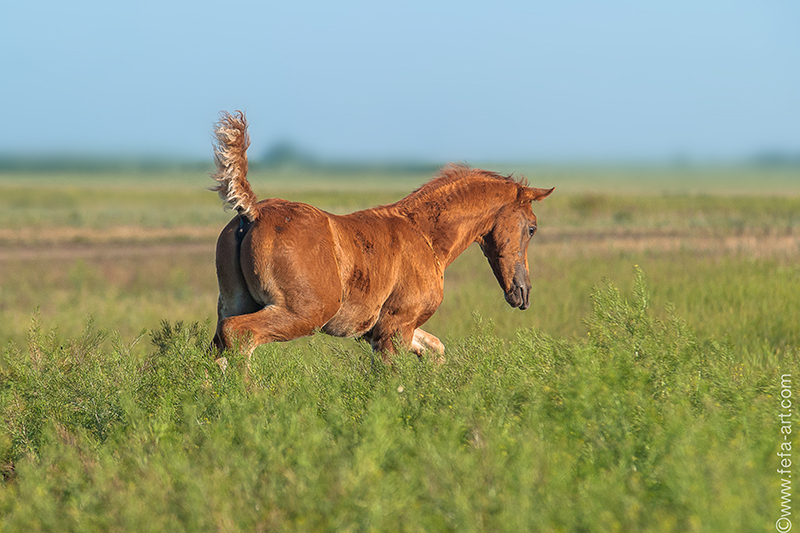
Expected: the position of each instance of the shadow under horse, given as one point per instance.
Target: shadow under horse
(287, 269)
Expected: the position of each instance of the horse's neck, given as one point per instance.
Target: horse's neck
(452, 226)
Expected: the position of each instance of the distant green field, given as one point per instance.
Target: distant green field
(627, 179)
(648, 408)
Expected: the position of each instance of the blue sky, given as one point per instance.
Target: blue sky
(472, 81)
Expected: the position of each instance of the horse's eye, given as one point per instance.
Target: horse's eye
(531, 231)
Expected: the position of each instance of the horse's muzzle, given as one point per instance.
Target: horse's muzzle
(518, 295)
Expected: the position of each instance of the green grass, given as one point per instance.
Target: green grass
(639, 426)
(649, 408)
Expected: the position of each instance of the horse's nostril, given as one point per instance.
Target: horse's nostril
(518, 296)
(524, 294)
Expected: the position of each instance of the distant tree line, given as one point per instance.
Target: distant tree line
(281, 155)
(285, 154)
(777, 159)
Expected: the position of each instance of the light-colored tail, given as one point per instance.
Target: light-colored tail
(230, 155)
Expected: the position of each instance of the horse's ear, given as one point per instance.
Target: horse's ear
(532, 194)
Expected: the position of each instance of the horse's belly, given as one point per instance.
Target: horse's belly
(351, 321)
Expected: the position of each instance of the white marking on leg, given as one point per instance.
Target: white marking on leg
(424, 341)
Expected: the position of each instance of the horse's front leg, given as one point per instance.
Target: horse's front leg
(425, 342)
(397, 324)
(386, 341)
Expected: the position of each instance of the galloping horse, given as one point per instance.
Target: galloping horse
(287, 269)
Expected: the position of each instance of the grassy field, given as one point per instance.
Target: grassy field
(640, 392)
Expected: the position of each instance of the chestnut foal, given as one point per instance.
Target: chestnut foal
(286, 269)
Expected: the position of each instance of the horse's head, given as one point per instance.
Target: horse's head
(506, 245)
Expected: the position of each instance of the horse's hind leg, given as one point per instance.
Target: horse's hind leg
(424, 342)
(234, 296)
(232, 305)
(272, 323)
